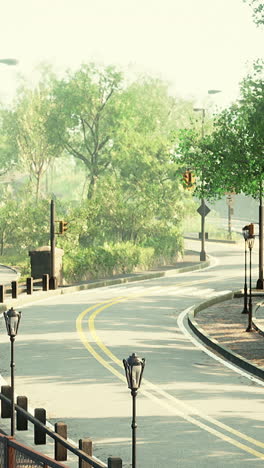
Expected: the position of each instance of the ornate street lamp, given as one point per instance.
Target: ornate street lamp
(134, 367)
(245, 232)
(250, 242)
(12, 319)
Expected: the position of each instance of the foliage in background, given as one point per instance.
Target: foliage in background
(258, 10)
(231, 158)
(113, 154)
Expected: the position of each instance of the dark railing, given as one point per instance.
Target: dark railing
(13, 454)
(25, 287)
(112, 462)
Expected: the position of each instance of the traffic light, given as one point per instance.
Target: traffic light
(189, 179)
(63, 227)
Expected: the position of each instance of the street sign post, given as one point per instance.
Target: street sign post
(203, 211)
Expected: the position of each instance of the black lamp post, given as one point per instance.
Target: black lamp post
(250, 242)
(12, 319)
(260, 282)
(245, 232)
(134, 367)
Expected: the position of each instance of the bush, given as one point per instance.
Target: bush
(167, 244)
(106, 260)
(121, 258)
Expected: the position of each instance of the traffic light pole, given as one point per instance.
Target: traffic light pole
(53, 282)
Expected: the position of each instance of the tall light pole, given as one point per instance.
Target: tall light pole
(260, 282)
(203, 209)
(134, 367)
(12, 319)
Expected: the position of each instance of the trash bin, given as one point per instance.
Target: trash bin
(40, 263)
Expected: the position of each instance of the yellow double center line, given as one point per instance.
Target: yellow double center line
(164, 399)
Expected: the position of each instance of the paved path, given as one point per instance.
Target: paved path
(225, 323)
(7, 275)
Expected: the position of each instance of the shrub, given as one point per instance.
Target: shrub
(106, 260)
(121, 258)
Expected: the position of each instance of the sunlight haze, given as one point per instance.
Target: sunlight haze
(196, 45)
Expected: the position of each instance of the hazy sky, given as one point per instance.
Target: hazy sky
(194, 44)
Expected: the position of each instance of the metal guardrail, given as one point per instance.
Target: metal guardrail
(112, 462)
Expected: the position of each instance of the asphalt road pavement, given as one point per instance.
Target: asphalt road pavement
(7, 275)
(192, 410)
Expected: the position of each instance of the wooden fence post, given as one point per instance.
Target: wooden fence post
(21, 420)
(114, 462)
(2, 293)
(6, 407)
(29, 285)
(86, 446)
(45, 282)
(39, 434)
(14, 289)
(60, 450)
(10, 454)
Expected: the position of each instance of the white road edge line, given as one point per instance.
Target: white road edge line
(199, 345)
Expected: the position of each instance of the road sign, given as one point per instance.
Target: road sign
(203, 210)
(230, 200)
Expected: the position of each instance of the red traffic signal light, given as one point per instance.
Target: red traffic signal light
(63, 227)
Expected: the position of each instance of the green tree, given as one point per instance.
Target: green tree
(30, 117)
(8, 146)
(231, 158)
(84, 121)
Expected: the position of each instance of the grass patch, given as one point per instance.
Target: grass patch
(213, 225)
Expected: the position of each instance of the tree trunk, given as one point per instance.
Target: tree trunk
(37, 188)
(91, 188)
(2, 243)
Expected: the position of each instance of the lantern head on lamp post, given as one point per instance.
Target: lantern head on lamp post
(134, 367)
(12, 319)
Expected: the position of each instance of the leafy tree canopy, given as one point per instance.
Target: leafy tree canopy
(258, 10)
(231, 158)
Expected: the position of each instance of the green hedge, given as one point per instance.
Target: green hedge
(107, 260)
(120, 258)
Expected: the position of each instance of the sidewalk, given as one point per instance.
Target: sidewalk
(225, 323)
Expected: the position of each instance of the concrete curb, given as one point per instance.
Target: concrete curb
(214, 344)
(221, 241)
(38, 296)
(258, 323)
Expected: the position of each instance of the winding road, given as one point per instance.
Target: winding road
(193, 411)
